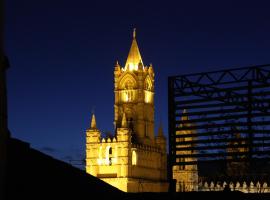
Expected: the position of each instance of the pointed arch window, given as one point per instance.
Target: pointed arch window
(134, 157)
(127, 88)
(148, 88)
(109, 153)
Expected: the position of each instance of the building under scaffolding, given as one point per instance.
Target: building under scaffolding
(219, 130)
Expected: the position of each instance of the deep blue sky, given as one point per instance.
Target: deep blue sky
(62, 56)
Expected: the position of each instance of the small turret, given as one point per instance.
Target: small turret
(93, 134)
(117, 67)
(140, 66)
(160, 131)
(123, 133)
(151, 69)
(93, 122)
(160, 139)
(124, 121)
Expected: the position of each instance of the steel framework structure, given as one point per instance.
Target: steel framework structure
(228, 116)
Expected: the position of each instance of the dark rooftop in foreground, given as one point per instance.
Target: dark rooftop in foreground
(34, 175)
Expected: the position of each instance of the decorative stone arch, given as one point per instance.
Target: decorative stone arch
(127, 80)
(127, 86)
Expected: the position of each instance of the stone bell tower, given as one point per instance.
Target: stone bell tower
(134, 95)
(133, 160)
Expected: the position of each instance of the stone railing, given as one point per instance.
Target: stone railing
(243, 186)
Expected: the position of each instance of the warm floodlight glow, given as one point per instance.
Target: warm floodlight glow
(99, 160)
(127, 95)
(134, 158)
(132, 66)
(120, 161)
(148, 96)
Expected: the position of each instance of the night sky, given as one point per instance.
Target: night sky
(62, 55)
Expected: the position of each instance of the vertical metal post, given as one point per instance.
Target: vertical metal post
(249, 122)
(171, 132)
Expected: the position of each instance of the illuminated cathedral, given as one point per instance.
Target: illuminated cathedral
(134, 159)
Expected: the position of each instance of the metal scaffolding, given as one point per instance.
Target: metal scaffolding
(228, 116)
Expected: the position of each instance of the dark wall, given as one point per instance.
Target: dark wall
(34, 175)
(3, 106)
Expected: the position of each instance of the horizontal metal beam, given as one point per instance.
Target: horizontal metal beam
(214, 125)
(219, 133)
(221, 154)
(236, 147)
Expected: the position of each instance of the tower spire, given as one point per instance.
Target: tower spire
(93, 122)
(134, 56)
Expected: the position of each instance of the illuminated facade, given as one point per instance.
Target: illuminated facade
(134, 160)
(186, 176)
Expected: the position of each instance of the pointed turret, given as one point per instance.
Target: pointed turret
(134, 56)
(124, 121)
(140, 66)
(151, 69)
(93, 134)
(160, 139)
(160, 131)
(93, 122)
(117, 66)
(123, 133)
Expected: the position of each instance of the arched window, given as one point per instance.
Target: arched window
(127, 88)
(128, 81)
(134, 158)
(110, 151)
(109, 155)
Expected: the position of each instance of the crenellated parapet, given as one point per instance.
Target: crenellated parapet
(108, 140)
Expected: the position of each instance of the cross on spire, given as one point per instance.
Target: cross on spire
(134, 33)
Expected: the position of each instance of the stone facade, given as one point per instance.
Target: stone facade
(134, 159)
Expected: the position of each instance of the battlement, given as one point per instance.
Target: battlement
(108, 140)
